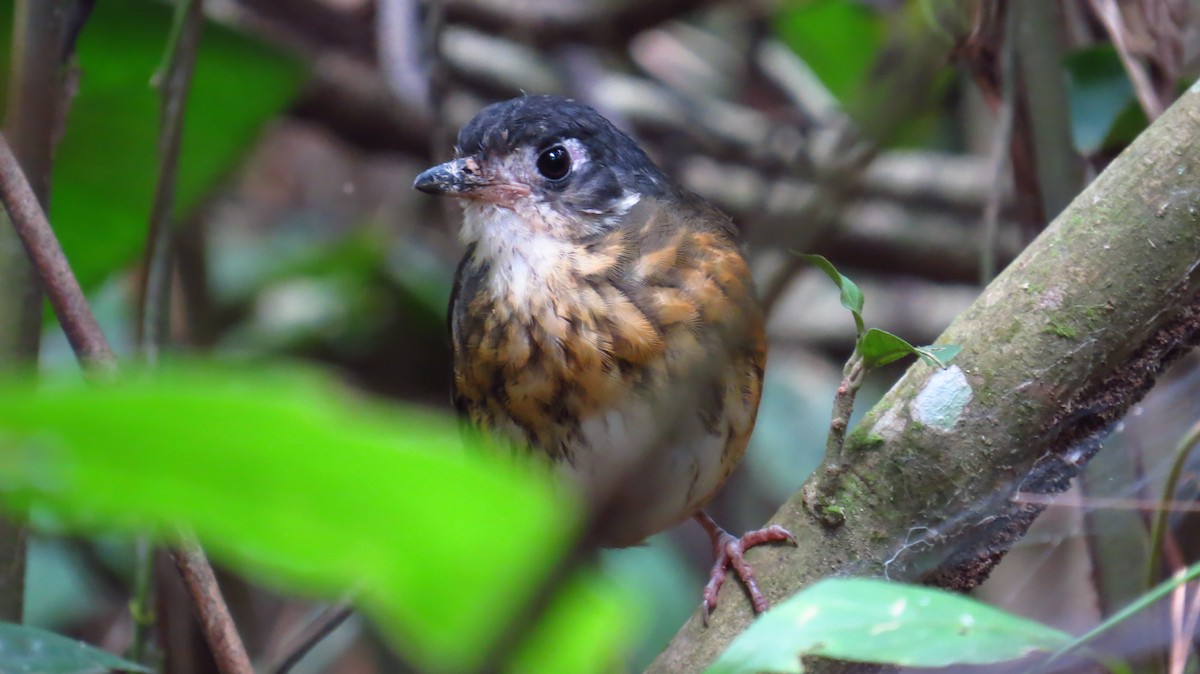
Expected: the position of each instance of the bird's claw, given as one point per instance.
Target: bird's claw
(730, 552)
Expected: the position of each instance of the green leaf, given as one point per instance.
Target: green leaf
(106, 164)
(1100, 93)
(878, 348)
(938, 355)
(852, 297)
(869, 620)
(307, 490)
(838, 39)
(29, 649)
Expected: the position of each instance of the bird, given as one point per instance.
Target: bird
(605, 318)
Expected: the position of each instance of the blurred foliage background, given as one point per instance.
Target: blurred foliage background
(901, 138)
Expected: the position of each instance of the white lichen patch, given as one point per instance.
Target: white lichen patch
(941, 403)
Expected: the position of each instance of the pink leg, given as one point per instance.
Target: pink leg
(728, 551)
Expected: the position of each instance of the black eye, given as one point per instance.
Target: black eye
(554, 163)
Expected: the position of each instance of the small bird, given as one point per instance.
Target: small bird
(604, 317)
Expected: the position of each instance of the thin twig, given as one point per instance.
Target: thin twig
(398, 39)
(1000, 158)
(843, 407)
(141, 605)
(35, 93)
(1109, 14)
(817, 493)
(1158, 532)
(322, 626)
(1191, 617)
(219, 630)
(173, 80)
(80, 326)
(94, 353)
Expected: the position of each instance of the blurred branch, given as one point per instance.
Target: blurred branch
(398, 35)
(552, 23)
(1042, 121)
(1051, 361)
(744, 160)
(34, 98)
(223, 639)
(539, 23)
(324, 625)
(152, 329)
(1109, 14)
(80, 326)
(76, 17)
(173, 81)
(320, 25)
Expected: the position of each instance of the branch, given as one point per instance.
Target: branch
(80, 326)
(321, 627)
(35, 94)
(173, 80)
(94, 353)
(542, 24)
(1055, 350)
(219, 630)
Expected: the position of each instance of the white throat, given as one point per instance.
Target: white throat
(522, 260)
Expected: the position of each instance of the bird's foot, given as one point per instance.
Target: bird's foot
(729, 552)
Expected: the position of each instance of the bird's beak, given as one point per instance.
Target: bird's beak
(455, 177)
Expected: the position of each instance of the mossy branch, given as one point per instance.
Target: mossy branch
(1055, 350)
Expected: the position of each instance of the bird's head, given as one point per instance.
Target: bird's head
(559, 166)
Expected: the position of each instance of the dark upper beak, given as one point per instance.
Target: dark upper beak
(453, 177)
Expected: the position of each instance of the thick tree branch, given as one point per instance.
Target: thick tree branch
(1055, 350)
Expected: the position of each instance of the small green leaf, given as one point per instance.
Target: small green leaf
(852, 297)
(29, 649)
(870, 620)
(938, 355)
(878, 348)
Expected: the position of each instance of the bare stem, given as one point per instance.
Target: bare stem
(818, 492)
(42, 247)
(321, 627)
(219, 630)
(843, 407)
(33, 98)
(92, 349)
(173, 80)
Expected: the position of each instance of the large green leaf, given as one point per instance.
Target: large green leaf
(868, 620)
(29, 649)
(106, 165)
(304, 489)
(838, 39)
(1100, 93)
